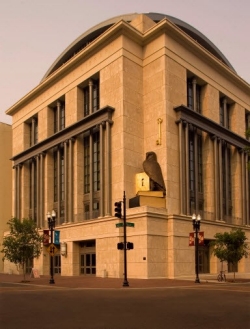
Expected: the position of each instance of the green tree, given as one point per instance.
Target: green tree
(230, 247)
(22, 243)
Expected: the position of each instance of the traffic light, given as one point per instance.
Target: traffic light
(118, 209)
(130, 245)
(120, 245)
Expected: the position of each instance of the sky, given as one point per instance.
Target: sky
(33, 33)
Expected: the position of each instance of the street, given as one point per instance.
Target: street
(200, 306)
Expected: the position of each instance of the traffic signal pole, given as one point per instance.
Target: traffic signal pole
(125, 282)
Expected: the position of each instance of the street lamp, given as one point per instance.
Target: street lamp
(196, 227)
(51, 221)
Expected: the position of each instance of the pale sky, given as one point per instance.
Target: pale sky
(33, 33)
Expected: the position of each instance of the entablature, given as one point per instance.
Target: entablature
(88, 122)
(209, 126)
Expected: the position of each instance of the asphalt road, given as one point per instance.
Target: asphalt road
(201, 306)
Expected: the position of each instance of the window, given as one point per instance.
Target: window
(33, 189)
(193, 95)
(96, 96)
(96, 161)
(33, 131)
(224, 113)
(59, 175)
(200, 169)
(96, 209)
(95, 168)
(86, 165)
(247, 120)
(195, 171)
(226, 181)
(59, 116)
(91, 97)
(91, 168)
(86, 211)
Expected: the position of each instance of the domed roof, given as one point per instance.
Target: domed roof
(83, 40)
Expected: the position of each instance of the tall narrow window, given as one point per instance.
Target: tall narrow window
(86, 165)
(33, 127)
(195, 171)
(91, 144)
(193, 95)
(96, 161)
(96, 96)
(86, 101)
(33, 188)
(226, 181)
(59, 176)
(59, 116)
(247, 120)
(91, 97)
(200, 169)
(191, 171)
(224, 113)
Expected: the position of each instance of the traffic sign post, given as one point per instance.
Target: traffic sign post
(123, 245)
(52, 249)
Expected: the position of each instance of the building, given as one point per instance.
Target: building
(5, 181)
(131, 85)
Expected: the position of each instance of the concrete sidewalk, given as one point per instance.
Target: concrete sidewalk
(96, 282)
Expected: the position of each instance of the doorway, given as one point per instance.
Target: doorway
(88, 264)
(204, 257)
(87, 257)
(57, 264)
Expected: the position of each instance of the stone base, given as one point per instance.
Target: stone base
(148, 198)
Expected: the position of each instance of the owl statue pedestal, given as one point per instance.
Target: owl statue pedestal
(148, 198)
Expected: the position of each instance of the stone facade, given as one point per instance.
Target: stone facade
(156, 89)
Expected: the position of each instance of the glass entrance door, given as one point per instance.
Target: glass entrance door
(57, 264)
(204, 258)
(88, 264)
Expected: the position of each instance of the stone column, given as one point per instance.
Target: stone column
(243, 188)
(220, 182)
(58, 184)
(247, 158)
(187, 169)
(33, 188)
(65, 201)
(70, 194)
(181, 165)
(196, 170)
(194, 82)
(90, 96)
(41, 179)
(108, 168)
(216, 182)
(37, 205)
(226, 151)
(15, 191)
(101, 172)
(91, 175)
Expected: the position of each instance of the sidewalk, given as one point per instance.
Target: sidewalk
(94, 282)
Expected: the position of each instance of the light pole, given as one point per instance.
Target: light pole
(196, 227)
(51, 221)
(125, 282)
